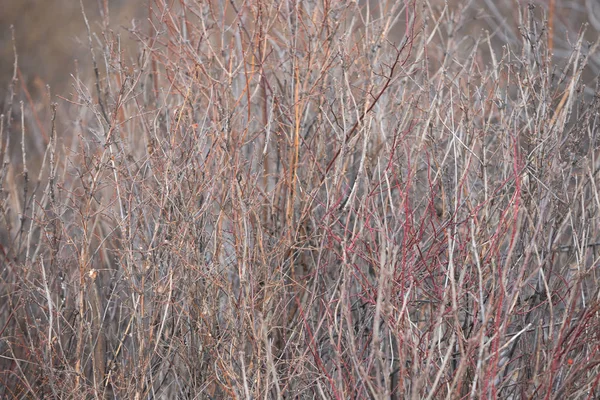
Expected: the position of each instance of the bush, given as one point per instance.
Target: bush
(309, 200)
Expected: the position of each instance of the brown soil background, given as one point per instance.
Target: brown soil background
(51, 35)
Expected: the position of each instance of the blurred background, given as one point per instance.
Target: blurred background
(50, 35)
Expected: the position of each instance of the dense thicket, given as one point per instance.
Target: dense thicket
(308, 199)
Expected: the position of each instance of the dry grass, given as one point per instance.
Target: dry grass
(310, 200)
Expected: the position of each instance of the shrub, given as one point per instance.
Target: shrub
(309, 200)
